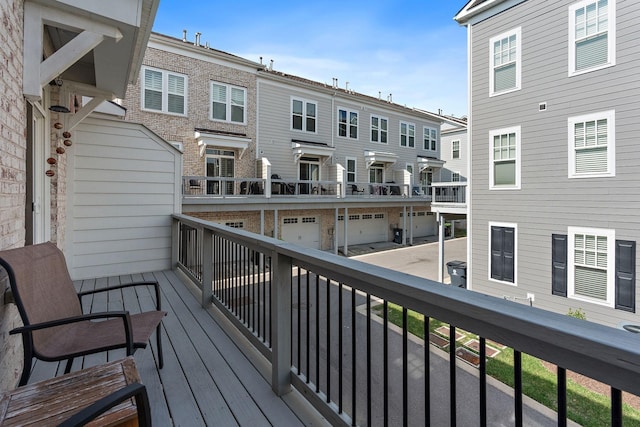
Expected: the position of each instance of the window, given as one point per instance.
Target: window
(455, 176)
(219, 164)
(430, 139)
(505, 158)
(379, 129)
(351, 169)
(455, 149)
(409, 167)
(407, 134)
(164, 91)
(228, 103)
(505, 59)
(376, 173)
(591, 264)
(303, 115)
(592, 35)
(502, 247)
(592, 145)
(348, 123)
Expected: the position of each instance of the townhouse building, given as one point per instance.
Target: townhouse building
(307, 162)
(553, 95)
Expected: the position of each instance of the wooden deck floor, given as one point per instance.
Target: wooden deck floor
(210, 376)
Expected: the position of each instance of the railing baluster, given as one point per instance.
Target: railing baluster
(562, 396)
(385, 361)
(298, 361)
(369, 417)
(483, 382)
(317, 333)
(308, 340)
(340, 331)
(616, 407)
(405, 368)
(426, 321)
(353, 358)
(517, 387)
(452, 375)
(328, 308)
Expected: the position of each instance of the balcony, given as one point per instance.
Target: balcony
(449, 197)
(260, 330)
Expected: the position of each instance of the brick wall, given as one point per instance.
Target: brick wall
(12, 174)
(181, 129)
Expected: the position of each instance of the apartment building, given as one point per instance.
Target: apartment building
(553, 158)
(308, 162)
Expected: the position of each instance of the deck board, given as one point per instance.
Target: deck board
(207, 379)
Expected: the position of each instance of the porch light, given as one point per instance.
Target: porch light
(58, 108)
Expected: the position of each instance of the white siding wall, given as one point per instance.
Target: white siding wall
(123, 183)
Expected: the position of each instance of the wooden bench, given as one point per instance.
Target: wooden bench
(51, 402)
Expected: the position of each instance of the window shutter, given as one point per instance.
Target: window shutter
(626, 275)
(559, 264)
(508, 254)
(497, 237)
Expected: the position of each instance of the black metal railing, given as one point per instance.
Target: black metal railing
(325, 323)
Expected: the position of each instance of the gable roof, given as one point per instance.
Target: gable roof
(473, 8)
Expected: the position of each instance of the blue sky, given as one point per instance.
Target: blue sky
(412, 49)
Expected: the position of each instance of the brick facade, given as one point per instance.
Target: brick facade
(175, 128)
(13, 146)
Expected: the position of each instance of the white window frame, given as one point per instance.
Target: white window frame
(165, 91)
(610, 116)
(611, 37)
(355, 170)
(228, 103)
(518, 61)
(610, 234)
(349, 125)
(455, 176)
(515, 252)
(386, 132)
(517, 130)
(305, 117)
(410, 126)
(427, 142)
(453, 150)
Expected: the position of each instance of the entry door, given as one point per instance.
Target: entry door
(37, 206)
(309, 171)
(220, 164)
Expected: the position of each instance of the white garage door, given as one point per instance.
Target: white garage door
(424, 224)
(303, 231)
(364, 228)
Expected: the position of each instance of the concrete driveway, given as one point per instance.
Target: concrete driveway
(419, 260)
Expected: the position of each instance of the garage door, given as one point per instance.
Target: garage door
(364, 228)
(303, 231)
(424, 224)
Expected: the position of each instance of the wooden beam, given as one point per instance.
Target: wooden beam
(68, 55)
(74, 22)
(32, 53)
(81, 114)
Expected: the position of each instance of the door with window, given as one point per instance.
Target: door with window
(309, 171)
(220, 164)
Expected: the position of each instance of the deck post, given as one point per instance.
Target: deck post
(281, 324)
(175, 242)
(207, 266)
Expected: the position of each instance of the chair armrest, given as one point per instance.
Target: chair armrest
(96, 409)
(124, 315)
(126, 285)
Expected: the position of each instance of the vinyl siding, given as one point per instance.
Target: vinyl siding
(275, 133)
(123, 186)
(548, 201)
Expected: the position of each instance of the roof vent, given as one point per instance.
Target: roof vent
(184, 35)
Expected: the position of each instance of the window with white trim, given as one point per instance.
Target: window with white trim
(506, 63)
(379, 129)
(430, 139)
(591, 265)
(228, 103)
(455, 176)
(347, 123)
(455, 149)
(351, 169)
(592, 35)
(164, 91)
(504, 170)
(592, 145)
(407, 134)
(303, 115)
(502, 250)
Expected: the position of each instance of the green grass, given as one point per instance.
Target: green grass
(584, 406)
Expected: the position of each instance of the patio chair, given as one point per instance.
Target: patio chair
(55, 328)
(356, 190)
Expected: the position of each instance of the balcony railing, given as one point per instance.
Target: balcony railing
(312, 315)
(449, 192)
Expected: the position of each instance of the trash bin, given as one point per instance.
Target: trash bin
(458, 273)
(397, 235)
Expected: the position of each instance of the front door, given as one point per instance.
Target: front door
(309, 171)
(220, 164)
